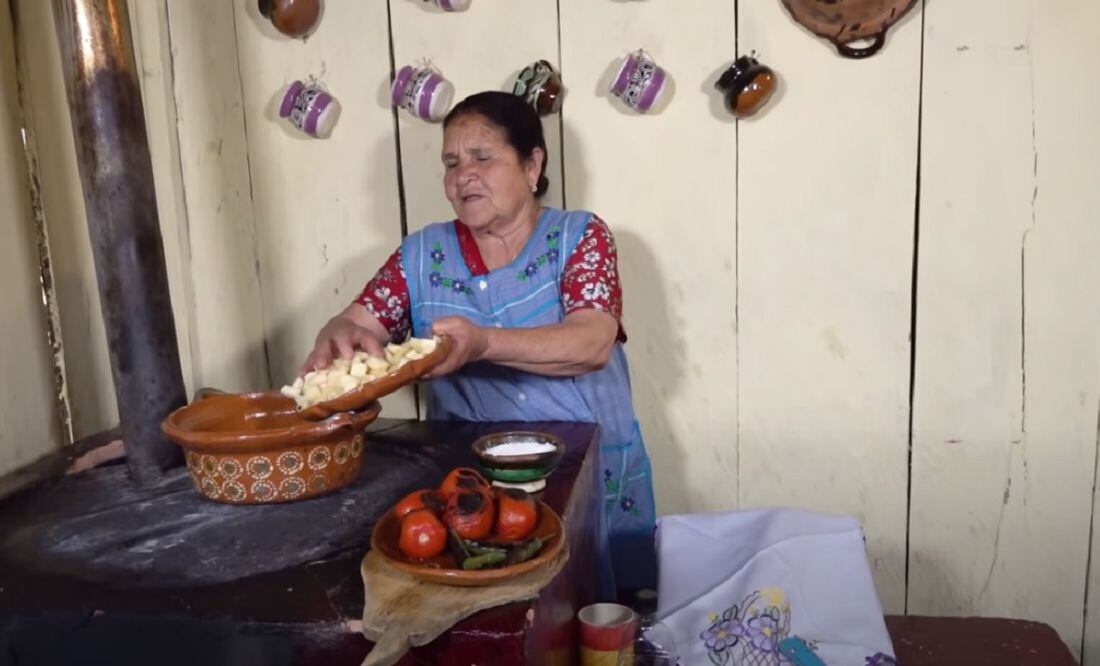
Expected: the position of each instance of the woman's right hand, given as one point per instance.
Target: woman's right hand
(341, 336)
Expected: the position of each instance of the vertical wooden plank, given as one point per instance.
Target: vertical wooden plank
(27, 405)
(826, 184)
(327, 211)
(87, 366)
(482, 48)
(664, 182)
(1007, 381)
(152, 51)
(227, 336)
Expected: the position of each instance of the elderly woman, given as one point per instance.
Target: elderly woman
(530, 296)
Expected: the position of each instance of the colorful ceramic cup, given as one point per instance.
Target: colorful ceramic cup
(640, 82)
(310, 108)
(607, 633)
(540, 85)
(451, 5)
(423, 92)
(746, 86)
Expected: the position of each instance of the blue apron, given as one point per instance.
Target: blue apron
(527, 293)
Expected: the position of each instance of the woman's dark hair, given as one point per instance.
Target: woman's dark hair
(521, 124)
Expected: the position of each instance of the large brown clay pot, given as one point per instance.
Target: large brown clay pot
(255, 448)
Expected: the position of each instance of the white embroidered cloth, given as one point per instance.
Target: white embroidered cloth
(768, 587)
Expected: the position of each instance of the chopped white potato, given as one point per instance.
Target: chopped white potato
(345, 375)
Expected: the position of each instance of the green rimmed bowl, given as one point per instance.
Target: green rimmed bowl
(521, 468)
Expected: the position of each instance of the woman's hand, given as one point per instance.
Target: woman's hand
(342, 335)
(469, 343)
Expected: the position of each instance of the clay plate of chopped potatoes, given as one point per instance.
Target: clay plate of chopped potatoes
(350, 384)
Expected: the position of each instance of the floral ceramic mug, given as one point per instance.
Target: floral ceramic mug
(310, 108)
(539, 84)
(640, 82)
(422, 91)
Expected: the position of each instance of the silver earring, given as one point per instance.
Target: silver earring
(534, 188)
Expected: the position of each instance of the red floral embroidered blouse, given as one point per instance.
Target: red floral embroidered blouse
(590, 280)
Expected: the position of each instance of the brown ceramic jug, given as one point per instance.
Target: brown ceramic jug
(746, 86)
(845, 21)
(293, 18)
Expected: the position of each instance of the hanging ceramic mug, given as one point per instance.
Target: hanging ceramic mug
(310, 108)
(640, 82)
(423, 92)
(451, 5)
(539, 84)
(746, 86)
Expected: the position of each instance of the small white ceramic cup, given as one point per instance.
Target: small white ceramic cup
(423, 92)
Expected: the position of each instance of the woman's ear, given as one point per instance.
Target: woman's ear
(534, 164)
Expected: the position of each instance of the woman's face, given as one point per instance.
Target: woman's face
(485, 179)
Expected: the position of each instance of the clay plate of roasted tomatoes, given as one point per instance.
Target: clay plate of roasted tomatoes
(467, 533)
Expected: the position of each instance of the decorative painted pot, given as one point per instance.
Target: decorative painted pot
(255, 448)
(310, 109)
(640, 82)
(845, 21)
(423, 92)
(539, 84)
(746, 86)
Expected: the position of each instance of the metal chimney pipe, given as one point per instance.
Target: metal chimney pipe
(117, 177)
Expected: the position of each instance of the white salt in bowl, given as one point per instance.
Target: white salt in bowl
(518, 457)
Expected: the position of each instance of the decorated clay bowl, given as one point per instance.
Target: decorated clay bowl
(518, 468)
(846, 21)
(444, 570)
(255, 448)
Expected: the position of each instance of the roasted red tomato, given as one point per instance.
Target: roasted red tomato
(470, 513)
(422, 535)
(421, 499)
(462, 478)
(517, 514)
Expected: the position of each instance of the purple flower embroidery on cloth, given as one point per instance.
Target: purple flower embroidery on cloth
(435, 279)
(750, 633)
(459, 286)
(763, 632)
(437, 255)
(880, 659)
(721, 635)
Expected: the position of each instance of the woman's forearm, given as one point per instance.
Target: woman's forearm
(581, 343)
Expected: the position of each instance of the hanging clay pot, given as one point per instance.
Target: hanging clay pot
(539, 84)
(746, 85)
(845, 21)
(293, 18)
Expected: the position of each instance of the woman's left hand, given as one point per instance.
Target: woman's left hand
(469, 343)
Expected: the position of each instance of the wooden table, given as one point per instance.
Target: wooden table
(975, 641)
(94, 570)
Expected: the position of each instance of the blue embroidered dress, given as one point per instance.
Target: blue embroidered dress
(526, 293)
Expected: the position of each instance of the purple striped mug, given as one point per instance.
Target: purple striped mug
(310, 108)
(640, 82)
(451, 5)
(423, 92)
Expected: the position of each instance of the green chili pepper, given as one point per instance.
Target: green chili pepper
(483, 561)
(524, 551)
